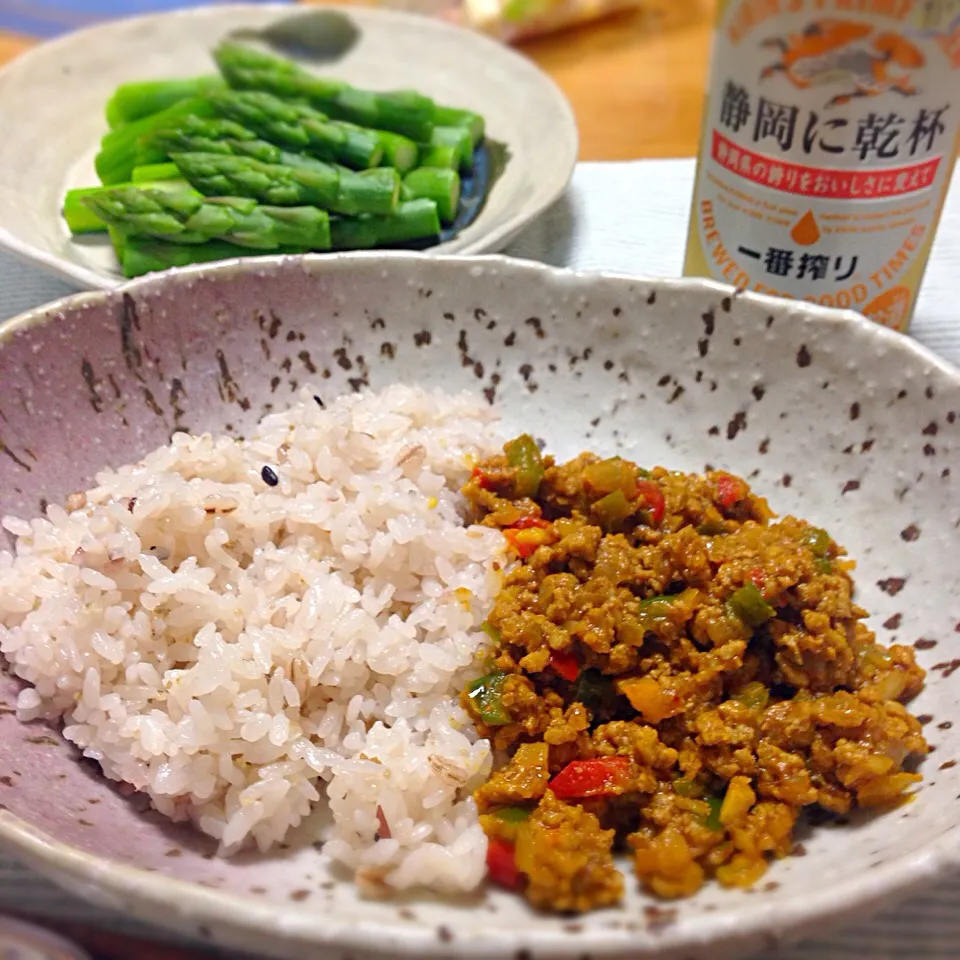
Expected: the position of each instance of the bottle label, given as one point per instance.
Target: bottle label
(828, 144)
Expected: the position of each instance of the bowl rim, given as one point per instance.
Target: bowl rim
(521, 217)
(150, 895)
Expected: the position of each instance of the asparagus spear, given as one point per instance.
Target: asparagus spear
(456, 137)
(441, 156)
(153, 172)
(413, 220)
(120, 149)
(332, 188)
(140, 255)
(472, 122)
(402, 111)
(196, 135)
(133, 101)
(188, 217)
(117, 238)
(200, 135)
(81, 219)
(440, 186)
(399, 152)
(299, 127)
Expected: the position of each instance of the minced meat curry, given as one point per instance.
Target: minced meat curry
(678, 675)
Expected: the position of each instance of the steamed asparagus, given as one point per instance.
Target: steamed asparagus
(299, 127)
(153, 172)
(140, 255)
(399, 152)
(188, 217)
(333, 188)
(403, 111)
(120, 150)
(472, 122)
(133, 101)
(413, 220)
(200, 135)
(456, 137)
(269, 158)
(440, 186)
(80, 218)
(442, 156)
(195, 135)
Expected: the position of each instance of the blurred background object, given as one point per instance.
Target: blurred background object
(47, 18)
(635, 78)
(24, 941)
(512, 20)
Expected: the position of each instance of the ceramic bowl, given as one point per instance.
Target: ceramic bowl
(830, 416)
(52, 103)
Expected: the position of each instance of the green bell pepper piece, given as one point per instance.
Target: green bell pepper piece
(487, 694)
(749, 605)
(524, 456)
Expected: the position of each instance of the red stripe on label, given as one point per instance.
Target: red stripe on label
(828, 183)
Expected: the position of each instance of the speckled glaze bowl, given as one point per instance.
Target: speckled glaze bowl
(830, 416)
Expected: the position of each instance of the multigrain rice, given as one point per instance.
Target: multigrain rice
(238, 648)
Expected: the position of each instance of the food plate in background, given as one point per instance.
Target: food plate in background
(52, 100)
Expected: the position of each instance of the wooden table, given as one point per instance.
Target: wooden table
(635, 81)
(636, 85)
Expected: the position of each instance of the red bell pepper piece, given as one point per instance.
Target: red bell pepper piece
(730, 490)
(481, 478)
(757, 577)
(523, 549)
(525, 523)
(527, 540)
(653, 499)
(602, 777)
(565, 664)
(502, 863)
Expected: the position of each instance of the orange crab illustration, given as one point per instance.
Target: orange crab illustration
(866, 61)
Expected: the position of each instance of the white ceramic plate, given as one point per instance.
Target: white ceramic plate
(52, 102)
(831, 416)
